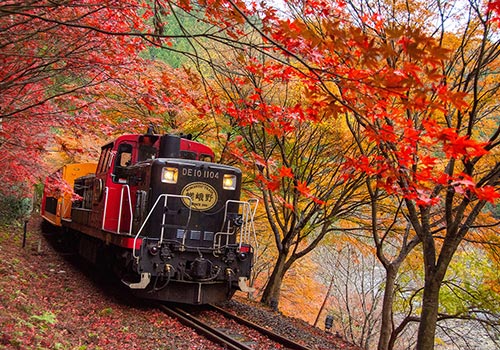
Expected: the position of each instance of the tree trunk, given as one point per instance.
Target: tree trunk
(428, 318)
(271, 294)
(386, 326)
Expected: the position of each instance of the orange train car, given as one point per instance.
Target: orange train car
(57, 196)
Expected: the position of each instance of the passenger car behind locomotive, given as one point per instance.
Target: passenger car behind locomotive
(159, 211)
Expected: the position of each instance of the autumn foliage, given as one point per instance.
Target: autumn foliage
(409, 110)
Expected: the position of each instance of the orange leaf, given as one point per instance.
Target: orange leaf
(302, 188)
(286, 172)
(487, 193)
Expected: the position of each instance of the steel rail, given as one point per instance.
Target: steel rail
(290, 344)
(204, 329)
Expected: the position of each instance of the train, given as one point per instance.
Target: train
(161, 214)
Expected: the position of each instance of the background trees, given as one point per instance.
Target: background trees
(428, 150)
(355, 291)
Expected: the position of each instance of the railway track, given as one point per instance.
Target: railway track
(228, 338)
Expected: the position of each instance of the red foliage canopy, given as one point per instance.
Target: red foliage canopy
(53, 54)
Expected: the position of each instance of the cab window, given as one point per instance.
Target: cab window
(124, 155)
(104, 160)
(206, 158)
(123, 159)
(147, 150)
(188, 155)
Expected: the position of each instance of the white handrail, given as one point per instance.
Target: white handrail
(248, 210)
(121, 209)
(105, 206)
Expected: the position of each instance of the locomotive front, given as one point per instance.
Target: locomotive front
(192, 228)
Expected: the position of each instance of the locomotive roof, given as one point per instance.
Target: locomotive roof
(135, 137)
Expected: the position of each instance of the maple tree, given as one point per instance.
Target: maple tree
(294, 163)
(444, 177)
(302, 190)
(417, 121)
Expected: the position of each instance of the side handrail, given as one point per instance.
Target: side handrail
(105, 207)
(121, 209)
(248, 228)
(251, 223)
(248, 211)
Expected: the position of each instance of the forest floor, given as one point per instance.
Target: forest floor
(49, 301)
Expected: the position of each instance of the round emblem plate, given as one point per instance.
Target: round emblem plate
(203, 196)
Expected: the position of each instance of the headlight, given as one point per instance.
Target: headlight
(229, 182)
(169, 175)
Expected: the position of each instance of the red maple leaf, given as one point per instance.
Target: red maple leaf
(487, 193)
(305, 191)
(302, 188)
(464, 146)
(286, 172)
(273, 185)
